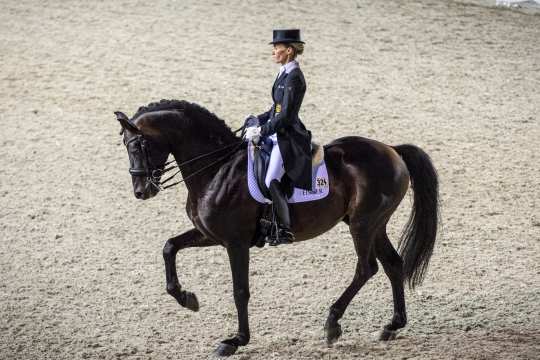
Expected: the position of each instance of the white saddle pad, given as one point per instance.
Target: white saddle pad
(320, 183)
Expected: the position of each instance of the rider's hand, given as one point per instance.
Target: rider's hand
(253, 134)
(251, 120)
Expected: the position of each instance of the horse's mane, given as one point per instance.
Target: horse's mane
(196, 113)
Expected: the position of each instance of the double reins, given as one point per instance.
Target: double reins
(157, 173)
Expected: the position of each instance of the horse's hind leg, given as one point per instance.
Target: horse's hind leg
(191, 238)
(393, 267)
(366, 267)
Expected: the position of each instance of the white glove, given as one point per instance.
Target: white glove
(253, 134)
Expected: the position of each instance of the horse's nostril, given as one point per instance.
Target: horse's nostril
(138, 194)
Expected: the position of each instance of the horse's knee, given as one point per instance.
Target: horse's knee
(168, 249)
(241, 296)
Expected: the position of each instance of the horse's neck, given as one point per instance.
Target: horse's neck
(194, 146)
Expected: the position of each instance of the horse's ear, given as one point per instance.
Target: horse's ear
(126, 124)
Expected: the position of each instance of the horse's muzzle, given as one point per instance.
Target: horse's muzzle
(144, 189)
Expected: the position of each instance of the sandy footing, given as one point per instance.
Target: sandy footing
(80, 258)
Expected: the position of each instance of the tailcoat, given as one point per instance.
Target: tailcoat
(294, 140)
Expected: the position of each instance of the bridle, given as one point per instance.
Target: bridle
(154, 173)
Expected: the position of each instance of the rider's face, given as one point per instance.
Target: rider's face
(281, 54)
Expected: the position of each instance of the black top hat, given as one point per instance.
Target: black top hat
(287, 36)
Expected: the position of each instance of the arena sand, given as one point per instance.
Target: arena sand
(80, 258)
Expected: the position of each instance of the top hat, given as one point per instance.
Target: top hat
(286, 36)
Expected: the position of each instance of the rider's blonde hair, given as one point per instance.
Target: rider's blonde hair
(297, 47)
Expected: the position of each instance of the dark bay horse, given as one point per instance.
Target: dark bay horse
(368, 180)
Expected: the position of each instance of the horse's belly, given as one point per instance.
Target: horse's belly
(311, 219)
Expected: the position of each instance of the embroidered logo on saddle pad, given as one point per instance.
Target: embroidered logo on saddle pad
(320, 182)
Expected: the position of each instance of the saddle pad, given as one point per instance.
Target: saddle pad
(321, 184)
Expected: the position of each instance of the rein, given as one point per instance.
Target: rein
(159, 184)
(154, 175)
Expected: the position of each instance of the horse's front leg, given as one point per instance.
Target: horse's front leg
(191, 238)
(239, 260)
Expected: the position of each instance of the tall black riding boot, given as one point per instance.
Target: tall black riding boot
(284, 234)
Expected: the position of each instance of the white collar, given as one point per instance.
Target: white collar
(288, 67)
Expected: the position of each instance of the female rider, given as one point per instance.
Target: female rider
(292, 155)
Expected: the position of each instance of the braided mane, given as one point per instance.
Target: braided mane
(198, 115)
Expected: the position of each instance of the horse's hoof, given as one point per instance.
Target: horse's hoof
(225, 350)
(387, 335)
(333, 334)
(190, 301)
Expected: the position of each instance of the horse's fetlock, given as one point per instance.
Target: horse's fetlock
(173, 288)
(400, 320)
(243, 339)
(333, 316)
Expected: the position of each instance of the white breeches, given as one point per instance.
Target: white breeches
(275, 168)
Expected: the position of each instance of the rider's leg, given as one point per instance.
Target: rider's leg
(275, 167)
(280, 204)
(273, 176)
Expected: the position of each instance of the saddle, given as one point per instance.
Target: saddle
(261, 160)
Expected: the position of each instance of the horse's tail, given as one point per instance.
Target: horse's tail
(418, 238)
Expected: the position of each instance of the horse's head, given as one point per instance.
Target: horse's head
(147, 155)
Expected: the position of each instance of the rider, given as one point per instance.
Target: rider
(281, 124)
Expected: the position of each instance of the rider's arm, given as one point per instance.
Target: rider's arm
(292, 98)
(263, 118)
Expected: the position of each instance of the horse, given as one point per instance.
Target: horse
(368, 180)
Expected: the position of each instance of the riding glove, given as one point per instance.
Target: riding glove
(253, 134)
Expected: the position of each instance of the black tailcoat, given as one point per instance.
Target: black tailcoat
(294, 140)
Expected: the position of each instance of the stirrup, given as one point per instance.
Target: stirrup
(283, 236)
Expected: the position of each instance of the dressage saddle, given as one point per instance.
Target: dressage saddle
(261, 160)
